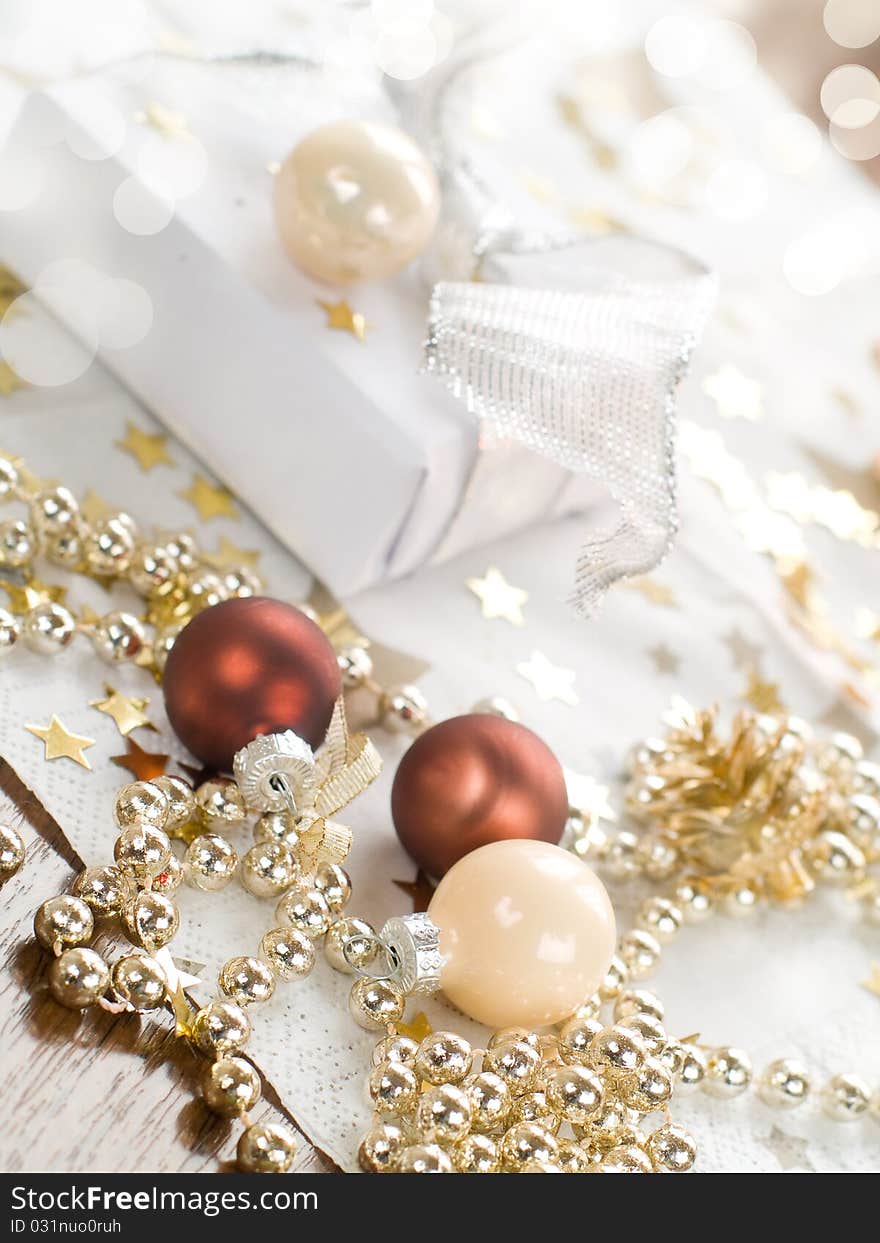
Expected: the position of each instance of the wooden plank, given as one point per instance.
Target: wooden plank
(94, 1092)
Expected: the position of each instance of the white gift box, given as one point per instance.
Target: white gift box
(358, 462)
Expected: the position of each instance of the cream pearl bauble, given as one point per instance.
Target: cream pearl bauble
(354, 201)
(526, 930)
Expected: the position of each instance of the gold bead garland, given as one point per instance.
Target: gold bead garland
(127, 891)
(171, 574)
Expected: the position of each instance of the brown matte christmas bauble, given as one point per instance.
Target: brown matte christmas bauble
(247, 667)
(472, 780)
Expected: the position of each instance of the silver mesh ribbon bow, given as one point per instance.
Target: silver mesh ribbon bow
(562, 351)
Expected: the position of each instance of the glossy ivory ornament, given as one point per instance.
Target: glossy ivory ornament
(472, 780)
(247, 667)
(354, 201)
(527, 933)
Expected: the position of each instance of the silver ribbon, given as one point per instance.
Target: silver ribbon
(567, 355)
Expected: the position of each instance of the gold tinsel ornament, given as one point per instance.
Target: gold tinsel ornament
(760, 808)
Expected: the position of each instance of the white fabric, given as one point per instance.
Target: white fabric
(778, 984)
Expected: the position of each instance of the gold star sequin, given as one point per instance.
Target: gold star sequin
(87, 615)
(11, 287)
(178, 971)
(10, 380)
(148, 449)
(595, 223)
(420, 891)
(665, 660)
(498, 597)
(587, 796)
(164, 121)
(851, 692)
(744, 653)
(179, 977)
(229, 556)
(799, 580)
(549, 681)
(735, 395)
(574, 114)
(61, 743)
(867, 624)
(538, 186)
(210, 500)
(763, 695)
(846, 401)
(417, 1030)
(342, 317)
(657, 593)
(872, 983)
(144, 765)
(791, 1151)
(26, 596)
(128, 713)
(93, 507)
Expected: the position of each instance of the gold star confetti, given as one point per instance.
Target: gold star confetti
(179, 972)
(867, 624)
(148, 449)
(762, 695)
(744, 653)
(657, 593)
(26, 596)
(128, 713)
(854, 695)
(735, 395)
(665, 660)
(498, 597)
(342, 317)
(587, 796)
(420, 890)
(145, 765)
(11, 287)
(859, 481)
(574, 115)
(549, 681)
(872, 983)
(791, 1151)
(846, 401)
(595, 223)
(210, 500)
(61, 743)
(10, 380)
(710, 459)
(538, 186)
(93, 507)
(166, 122)
(87, 615)
(799, 579)
(229, 556)
(417, 1030)
(485, 125)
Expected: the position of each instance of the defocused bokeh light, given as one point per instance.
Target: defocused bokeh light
(791, 143)
(852, 23)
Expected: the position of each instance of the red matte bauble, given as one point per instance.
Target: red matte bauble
(247, 667)
(472, 780)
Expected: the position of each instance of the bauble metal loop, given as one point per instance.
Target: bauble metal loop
(260, 764)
